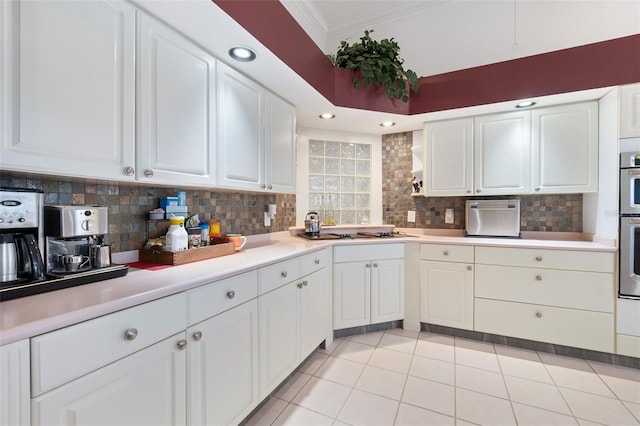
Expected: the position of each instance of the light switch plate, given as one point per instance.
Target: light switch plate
(411, 216)
(448, 216)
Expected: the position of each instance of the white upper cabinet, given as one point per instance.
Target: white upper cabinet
(565, 140)
(448, 166)
(256, 149)
(502, 153)
(280, 153)
(68, 91)
(176, 107)
(629, 111)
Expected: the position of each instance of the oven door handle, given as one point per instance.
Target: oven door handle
(633, 172)
(633, 221)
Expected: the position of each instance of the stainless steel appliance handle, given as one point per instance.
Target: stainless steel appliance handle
(633, 172)
(633, 221)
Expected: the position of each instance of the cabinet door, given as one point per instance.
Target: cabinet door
(279, 336)
(176, 107)
(502, 153)
(68, 93)
(280, 152)
(146, 388)
(240, 134)
(351, 294)
(313, 311)
(15, 398)
(446, 294)
(565, 142)
(223, 366)
(629, 111)
(449, 157)
(387, 290)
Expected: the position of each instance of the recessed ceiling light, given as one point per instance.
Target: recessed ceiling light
(387, 124)
(327, 116)
(242, 54)
(525, 104)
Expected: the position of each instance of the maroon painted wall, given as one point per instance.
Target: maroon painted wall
(608, 63)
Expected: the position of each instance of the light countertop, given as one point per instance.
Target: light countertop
(30, 316)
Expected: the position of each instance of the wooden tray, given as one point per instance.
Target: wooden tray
(155, 254)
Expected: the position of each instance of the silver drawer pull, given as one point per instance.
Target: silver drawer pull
(197, 336)
(317, 261)
(538, 314)
(538, 277)
(469, 267)
(538, 258)
(181, 344)
(231, 294)
(446, 252)
(283, 274)
(131, 334)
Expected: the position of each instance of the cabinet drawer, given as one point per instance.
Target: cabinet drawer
(592, 291)
(61, 356)
(563, 326)
(552, 259)
(279, 274)
(314, 261)
(446, 253)
(211, 299)
(362, 252)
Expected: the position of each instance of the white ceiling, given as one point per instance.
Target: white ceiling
(435, 36)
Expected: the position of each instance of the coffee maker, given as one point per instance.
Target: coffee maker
(74, 239)
(21, 236)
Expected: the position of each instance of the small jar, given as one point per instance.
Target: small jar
(194, 237)
(214, 229)
(204, 234)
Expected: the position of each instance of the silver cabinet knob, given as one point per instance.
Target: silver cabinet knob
(129, 171)
(263, 186)
(446, 252)
(537, 189)
(148, 173)
(538, 258)
(538, 277)
(197, 336)
(181, 344)
(317, 261)
(468, 191)
(469, 267)
(231, 294)
(305, 283)
(299, 285)
(478, 190)
(269, 186)
(131, 334)
(538, 314)
(283, 274)
(375, 265)
(368, 265)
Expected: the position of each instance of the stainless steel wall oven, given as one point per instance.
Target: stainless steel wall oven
(629, 241)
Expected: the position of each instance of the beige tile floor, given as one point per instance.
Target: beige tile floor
(396, 377)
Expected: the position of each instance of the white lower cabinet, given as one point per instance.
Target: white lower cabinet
(14, 386)
(292, 319)
(446, 285)
(222, 366)
(368, 284)
(557, 296)
(145, 388)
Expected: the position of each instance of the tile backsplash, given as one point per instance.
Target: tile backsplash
(238, 212)
(551, 213)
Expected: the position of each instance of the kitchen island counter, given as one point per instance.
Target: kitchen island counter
(30, 316)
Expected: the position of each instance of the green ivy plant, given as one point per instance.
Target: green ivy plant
(377, 62)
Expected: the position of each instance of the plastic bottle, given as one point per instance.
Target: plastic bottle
(177, 237)
(204, 233)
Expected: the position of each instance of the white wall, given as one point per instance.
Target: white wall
(302, 170)
(600, 209)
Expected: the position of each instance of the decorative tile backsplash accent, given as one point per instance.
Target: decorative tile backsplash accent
(557, 213)
(238, 212)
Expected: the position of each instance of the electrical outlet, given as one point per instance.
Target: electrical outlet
(448, 216)
(411, 216)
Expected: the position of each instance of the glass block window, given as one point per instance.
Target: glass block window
(340, 182)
